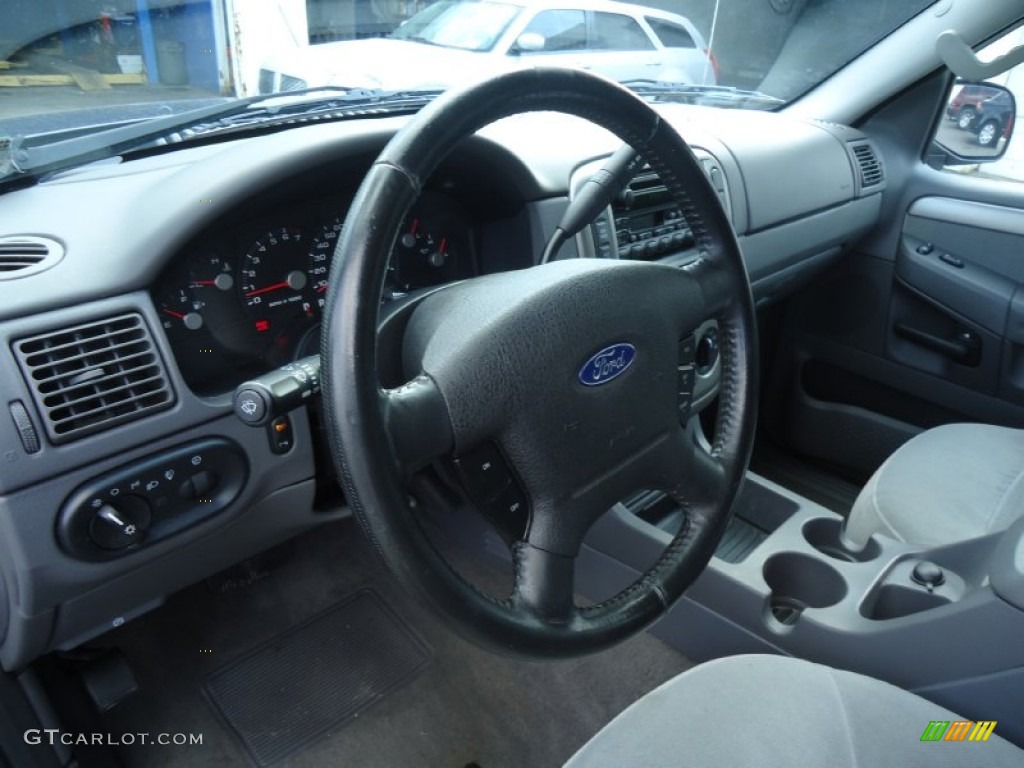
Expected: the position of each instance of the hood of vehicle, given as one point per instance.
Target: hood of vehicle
(387, 63)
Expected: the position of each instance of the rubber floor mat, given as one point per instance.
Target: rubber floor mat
(298, 686)
(740, 539)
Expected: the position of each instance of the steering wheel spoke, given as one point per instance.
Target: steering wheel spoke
(544, 583)
(418, 423)
(701, 481)
(717, 285)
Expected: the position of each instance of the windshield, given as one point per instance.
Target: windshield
(471, 26)
(71, 68)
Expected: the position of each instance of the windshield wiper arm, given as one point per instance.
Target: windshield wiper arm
(712, 95)
(164, 130)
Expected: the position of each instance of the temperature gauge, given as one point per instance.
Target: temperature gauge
(212, 273)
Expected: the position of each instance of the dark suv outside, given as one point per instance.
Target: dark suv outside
(964, 105)
(993, 119)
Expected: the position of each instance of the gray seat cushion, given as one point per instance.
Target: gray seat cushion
(780, 712)
(948, 484)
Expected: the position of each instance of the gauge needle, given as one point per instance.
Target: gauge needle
(269, 288)
(172, 313)
(321, 288)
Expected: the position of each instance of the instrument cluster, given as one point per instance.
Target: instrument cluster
(246, 300)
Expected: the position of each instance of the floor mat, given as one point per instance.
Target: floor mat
(465, 706)
(301, 685)
(740, 539)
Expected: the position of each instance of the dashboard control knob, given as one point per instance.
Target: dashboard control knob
(120, 526)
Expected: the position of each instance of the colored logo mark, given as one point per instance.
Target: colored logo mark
(960, 730)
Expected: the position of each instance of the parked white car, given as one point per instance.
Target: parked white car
(455, 41)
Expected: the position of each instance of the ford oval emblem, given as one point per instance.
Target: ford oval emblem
(611, 362)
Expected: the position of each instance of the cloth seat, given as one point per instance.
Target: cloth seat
(781, 712)
(948, 484)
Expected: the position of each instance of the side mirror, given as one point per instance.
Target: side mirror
(529, 42)
(980, 118)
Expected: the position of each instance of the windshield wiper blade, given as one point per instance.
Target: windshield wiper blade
(44, 158)
(709, 95)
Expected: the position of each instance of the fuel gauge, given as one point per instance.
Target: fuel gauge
(180, 312)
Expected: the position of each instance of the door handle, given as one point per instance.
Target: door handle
(964, 348)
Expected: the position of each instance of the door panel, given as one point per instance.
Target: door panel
(921, 324)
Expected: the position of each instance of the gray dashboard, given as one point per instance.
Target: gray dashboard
(797, 191)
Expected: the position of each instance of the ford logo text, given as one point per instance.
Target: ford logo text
(607, 364)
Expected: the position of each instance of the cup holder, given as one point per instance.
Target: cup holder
(824, 535)
(799, 581)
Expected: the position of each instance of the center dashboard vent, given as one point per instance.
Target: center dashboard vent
(871, 174)
(24, 255)
(94, 376)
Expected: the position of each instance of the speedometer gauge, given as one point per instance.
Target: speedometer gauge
(321, 251)
(272, 276)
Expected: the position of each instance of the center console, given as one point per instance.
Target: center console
(944, 621)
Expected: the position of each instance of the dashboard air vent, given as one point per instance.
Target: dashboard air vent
(94, 376)
(870, 166)
(24, 255)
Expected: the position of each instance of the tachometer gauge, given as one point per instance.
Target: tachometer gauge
(272, 276)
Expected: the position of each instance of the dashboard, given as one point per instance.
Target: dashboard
(170, 279)
(239, 301)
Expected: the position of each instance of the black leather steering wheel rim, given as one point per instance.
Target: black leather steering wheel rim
(367, 426)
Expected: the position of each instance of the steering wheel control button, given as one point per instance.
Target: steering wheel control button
(484, 473)
(251, 406)
(151, 499)
(280, 432)
(509, 511)
(687, 351)
(122, 526)
(928, 574)
(707, 352)
(686, 376)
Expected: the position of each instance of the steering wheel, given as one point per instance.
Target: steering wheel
(565, 376)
